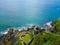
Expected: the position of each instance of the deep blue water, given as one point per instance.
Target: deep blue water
(16, 13)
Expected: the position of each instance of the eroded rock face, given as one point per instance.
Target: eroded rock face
(9, 38)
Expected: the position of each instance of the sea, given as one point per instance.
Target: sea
(18, 13)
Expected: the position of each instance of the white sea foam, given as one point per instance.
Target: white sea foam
(19, 28)
(25, 27)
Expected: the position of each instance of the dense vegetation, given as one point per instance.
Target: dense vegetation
(46, 39)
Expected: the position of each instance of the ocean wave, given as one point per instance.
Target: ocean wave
(18, 28)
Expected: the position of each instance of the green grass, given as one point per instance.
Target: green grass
(27, 38)
(57, 24)
(19, 42)
(46, 39)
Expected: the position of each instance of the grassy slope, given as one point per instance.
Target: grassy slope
(46, 39)
(57, 24)
(26, 38)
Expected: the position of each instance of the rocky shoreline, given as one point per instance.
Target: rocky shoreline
(25, 36)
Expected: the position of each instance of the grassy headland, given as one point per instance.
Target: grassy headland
(32, 36)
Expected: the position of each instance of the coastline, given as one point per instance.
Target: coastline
(23, 27)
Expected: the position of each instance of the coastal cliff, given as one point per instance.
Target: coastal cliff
(33, 36)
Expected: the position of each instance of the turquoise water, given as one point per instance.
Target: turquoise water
(16, 13)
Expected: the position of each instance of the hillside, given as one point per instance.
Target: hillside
(33, 36)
